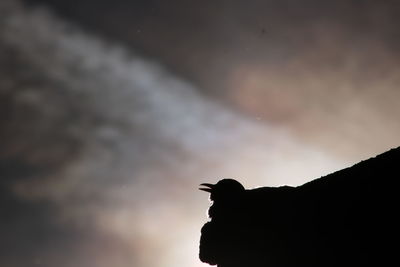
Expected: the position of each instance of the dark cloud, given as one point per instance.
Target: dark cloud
(314, 63)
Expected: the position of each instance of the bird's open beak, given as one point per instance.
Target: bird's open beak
(209, 187)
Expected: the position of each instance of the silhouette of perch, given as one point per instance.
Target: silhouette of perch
(348, 218)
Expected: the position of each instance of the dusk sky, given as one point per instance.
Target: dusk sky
(112, 114)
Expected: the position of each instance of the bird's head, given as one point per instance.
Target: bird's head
(225, 189)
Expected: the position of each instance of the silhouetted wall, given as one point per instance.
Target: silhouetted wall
(347, 218)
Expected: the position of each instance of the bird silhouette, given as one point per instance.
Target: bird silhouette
(237, 215)
(227, 197)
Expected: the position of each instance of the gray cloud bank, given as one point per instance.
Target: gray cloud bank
(326, 70)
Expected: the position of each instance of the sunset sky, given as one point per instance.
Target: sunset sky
(112, 114)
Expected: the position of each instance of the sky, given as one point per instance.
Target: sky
(113, 114)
